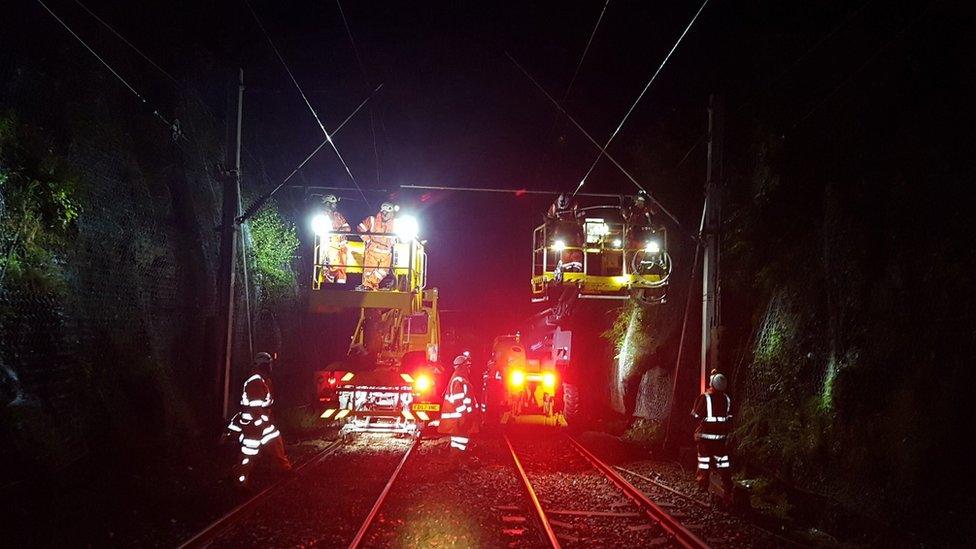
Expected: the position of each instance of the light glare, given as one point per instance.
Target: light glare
(321, 224)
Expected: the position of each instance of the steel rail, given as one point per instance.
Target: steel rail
(663, 486)
(204, 537)
(539, 511)
(361, 534)
(703, 504)
(681, 535)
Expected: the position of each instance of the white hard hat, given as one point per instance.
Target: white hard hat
(562, 201)
(461, 359)
(330, 199)
(262, 358)
(388, 207)
(718, 382)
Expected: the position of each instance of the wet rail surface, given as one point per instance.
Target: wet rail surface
(323, 505)
(437, 503)
(587, 504)
(696, 511)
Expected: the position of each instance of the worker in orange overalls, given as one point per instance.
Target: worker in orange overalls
(336, 254)
(254, 424)
(459, 417)
(566, 231)
(378, 256)
(713, 410)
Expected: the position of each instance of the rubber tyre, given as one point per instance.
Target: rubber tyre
(571, 402)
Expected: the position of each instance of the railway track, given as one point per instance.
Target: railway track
(212, 531)
(716, 523)
(571, 485)
(374, 511)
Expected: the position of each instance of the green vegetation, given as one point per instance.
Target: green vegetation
(38, 209)
(274, 243)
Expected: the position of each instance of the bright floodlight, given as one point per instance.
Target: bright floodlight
(559, 245)
(321, 224)
(617, 243)
(406, 227)
(653, 247)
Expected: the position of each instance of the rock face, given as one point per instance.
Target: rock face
(654, 395)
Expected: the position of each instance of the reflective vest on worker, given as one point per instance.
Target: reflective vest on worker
(336, 253)
(378, 256)
(713, 410)
(255, 427)
(458, 415)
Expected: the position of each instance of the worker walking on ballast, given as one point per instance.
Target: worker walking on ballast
(713, 410)
(254, 424)
(459, 417)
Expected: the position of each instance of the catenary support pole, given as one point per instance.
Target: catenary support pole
(228, 257)
(711, 229)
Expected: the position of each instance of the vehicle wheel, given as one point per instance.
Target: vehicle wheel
(571, 402)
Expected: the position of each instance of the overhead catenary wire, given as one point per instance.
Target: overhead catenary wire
(254, 207)
(311, 109)
(586, 50)
(366, 80)
(127, 43)
(779, 76)
(174, 126)
(593, 141)
(639, 97)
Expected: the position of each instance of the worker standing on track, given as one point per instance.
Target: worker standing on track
(254, 424)
(459, 417)
(378, 256)
(336, 254)
(713, 410)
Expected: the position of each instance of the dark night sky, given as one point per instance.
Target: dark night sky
(454, 111)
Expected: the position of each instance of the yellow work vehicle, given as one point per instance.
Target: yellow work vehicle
(390, 379)
(523, 383)
(599, 258)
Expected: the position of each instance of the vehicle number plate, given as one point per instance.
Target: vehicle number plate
(425, 407)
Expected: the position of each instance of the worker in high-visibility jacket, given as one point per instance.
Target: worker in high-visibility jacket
(378, 256)
(563, 223)
(459, 412)
(254, 424)
(713, 410)
(336, 253)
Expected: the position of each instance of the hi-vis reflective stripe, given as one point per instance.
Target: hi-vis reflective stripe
(251, 442)
(702, 459)
(721, 458)
(328, 413)
(249, 451)
(712, 418)
(268, 438)
(247, 416)
(268, 429)
(703, 465)
(450, 415)
(423, 415)
(347, 377)
(342, 413)
(233, 427)
(452, 398)
(407, 377)
(407, 414)
(706, 436)
(461, 443)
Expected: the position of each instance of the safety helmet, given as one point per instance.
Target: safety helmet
(718, 382)
(461, 359)
(641, 198)
(562, 202)
(330, 200)
(388, 207)
(262, 358)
